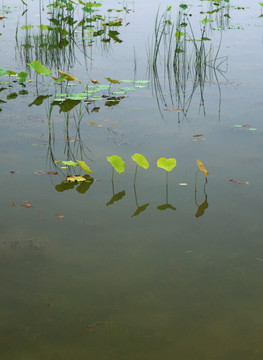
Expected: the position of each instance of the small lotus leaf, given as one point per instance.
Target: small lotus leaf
(67, 163)
(39, 68)
(76, 178)
(85, 167)
(117, 162)
(202, 167)
(112, 81)
(68, 76)
(166, 164)
(140, 160)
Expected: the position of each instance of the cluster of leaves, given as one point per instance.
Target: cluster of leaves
(118, 164)
(64, 23)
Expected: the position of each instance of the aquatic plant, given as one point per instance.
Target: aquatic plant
(117, 163)
(168, 165)
(141, 161)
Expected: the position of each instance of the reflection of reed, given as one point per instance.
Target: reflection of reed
(75, 148)
(186, 64)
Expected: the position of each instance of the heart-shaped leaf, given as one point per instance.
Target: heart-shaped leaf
(202, 167)
(39, 68)
(140, 160)
(166, 164)
(117, 162)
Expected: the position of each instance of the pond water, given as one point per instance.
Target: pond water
(117, 267)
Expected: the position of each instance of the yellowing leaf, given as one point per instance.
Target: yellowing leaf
(69, 77)
(202, 167)
(76, 178)
(112, 81)
(85, 167)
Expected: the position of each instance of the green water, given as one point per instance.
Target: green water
(82, 274)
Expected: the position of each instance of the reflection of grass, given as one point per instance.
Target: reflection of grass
(187, 62)
(74, 148)
(71, 27)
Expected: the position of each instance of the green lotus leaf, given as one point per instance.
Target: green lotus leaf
(67, 163)
(166, 164)
(140, 160)
(85, 167)
(39, 68)
(117, 162)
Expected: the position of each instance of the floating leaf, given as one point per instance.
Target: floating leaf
(39, 68)
(166, 164)
(202, 167)
(26, 27)
(22, 76)
(128, 88)
(67, 163)
(76, 178)
(140, 160)
(117, 162)
(84, 167)
(183, 6)
(205, 21)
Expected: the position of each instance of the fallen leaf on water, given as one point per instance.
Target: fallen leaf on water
(52, 172)
(12, 204)
(176, 110)
(60, 216)
(198, 139)
(183, 184)
(26, 205)
(239, 182)
(40, 172)
(13, 172)
(25, 201)
(198, 135)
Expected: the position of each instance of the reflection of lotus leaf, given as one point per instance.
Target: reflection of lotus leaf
(140, 209)
(166, 206)
(116, 197)
(201, 209)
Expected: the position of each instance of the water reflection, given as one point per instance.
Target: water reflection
(65, 29)
(140, 208)
(204, 205)
(184, 62)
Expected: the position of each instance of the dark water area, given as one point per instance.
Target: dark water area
(161, 266)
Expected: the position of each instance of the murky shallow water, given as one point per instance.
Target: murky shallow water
(99, 282)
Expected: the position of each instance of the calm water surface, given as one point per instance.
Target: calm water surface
(82, 274)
